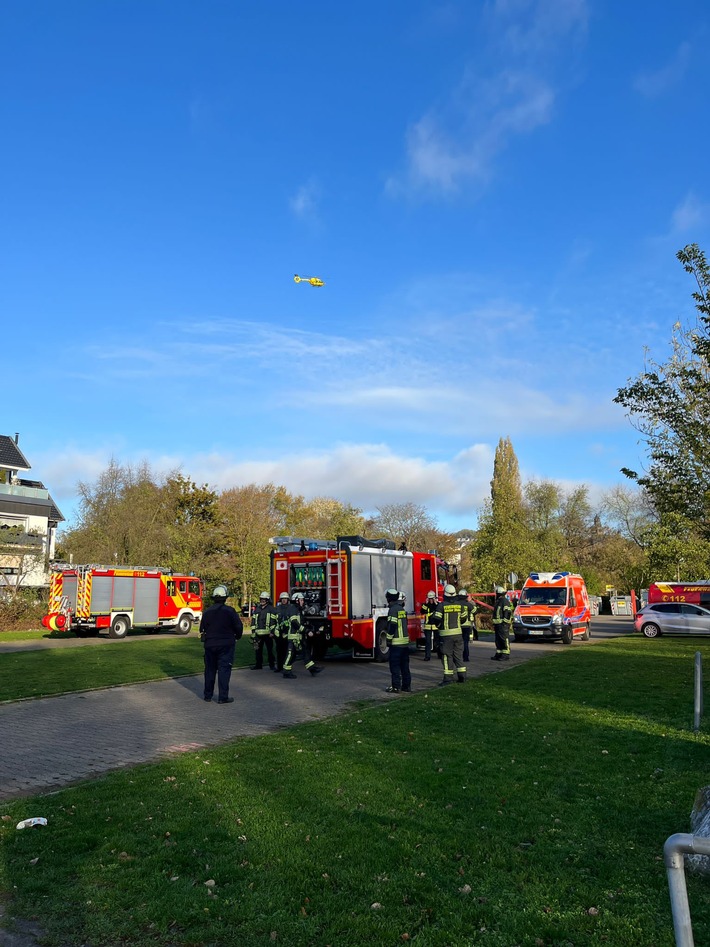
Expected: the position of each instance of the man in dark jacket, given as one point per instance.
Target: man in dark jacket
(398, 640)
(502, 622)
(220, 629)
(428, 627)
(263, 632)
(447, 618)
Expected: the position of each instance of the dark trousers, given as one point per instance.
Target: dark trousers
(451, 650)
(399, 667)
(281, 652)
(428, 635)
(466, 639)
(218, 664)
(502, 636)
(259, 642)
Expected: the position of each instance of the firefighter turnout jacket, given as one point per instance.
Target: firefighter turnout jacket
(503, 612)
(448, 617)
(265, 621)
(397, 630)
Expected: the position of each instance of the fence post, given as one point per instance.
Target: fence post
(698, 702)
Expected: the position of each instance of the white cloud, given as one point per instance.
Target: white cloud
(304, 203)
(366, 475)
(457, 141)
(690, 214)
(656, 82)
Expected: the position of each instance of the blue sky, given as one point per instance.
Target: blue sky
(493, 192)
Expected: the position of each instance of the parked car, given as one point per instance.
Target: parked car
(672, 618)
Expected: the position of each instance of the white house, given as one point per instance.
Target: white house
(28, 521)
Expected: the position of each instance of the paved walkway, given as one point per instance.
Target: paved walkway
(54, 741)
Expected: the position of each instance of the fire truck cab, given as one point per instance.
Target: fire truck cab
(343, 582)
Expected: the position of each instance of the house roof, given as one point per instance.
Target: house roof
(11, 456)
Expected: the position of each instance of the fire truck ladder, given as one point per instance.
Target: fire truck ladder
(333, 583)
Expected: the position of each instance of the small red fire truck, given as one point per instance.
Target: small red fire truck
(85, 599)
(344, 582)
(694, 593)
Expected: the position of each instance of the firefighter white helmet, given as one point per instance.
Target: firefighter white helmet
(449, 590)
(391, 595)
(283, 595)
(463, 592)
(431, 595)
(220, 591)
(264, 595)
(500, 590)
(298, 597)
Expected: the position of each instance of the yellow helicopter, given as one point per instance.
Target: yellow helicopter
(313, 280)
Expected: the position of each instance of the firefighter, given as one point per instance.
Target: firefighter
(309, 638)
(220, 629)
(466, 622)
(398, 640)
(447, 618)
(473, 611)
(284, 611)
(292, 631)
(502, 622)
(429, 627)
(263, 630)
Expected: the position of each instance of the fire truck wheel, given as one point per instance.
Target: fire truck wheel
(184, 626)
(120, 626)
(382, 650)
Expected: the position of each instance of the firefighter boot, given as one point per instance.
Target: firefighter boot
(314, 670)
(289, 674)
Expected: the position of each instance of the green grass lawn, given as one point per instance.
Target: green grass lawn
(526, 808)
(62, 670)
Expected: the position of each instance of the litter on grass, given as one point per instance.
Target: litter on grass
(30, 823)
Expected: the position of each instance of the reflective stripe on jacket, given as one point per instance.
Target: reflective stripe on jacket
(448, 618)
(397, 631)
(503, 611)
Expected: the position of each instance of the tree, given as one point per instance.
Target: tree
(669, 403)
(503, 543)
(407, 523)
(249, 516)
(543, 501)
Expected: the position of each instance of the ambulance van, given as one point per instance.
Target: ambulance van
(552, 606)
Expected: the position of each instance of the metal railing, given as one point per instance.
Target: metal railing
(675, 848)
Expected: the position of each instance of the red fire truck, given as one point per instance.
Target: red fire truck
(695, 593)
(344, 582)
(85, 599)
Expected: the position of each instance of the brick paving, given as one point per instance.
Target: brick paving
(54, 741)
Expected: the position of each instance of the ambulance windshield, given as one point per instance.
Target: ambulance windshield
(542, 596)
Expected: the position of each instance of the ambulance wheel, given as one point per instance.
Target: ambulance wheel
(184, 625)
(586, 635)
(382, 650)
(119, 627)
(567, 634)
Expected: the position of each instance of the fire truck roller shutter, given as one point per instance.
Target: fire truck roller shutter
(384, 576)
(146, 601)
(405, 580)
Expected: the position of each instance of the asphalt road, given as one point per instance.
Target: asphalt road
(55, 741)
